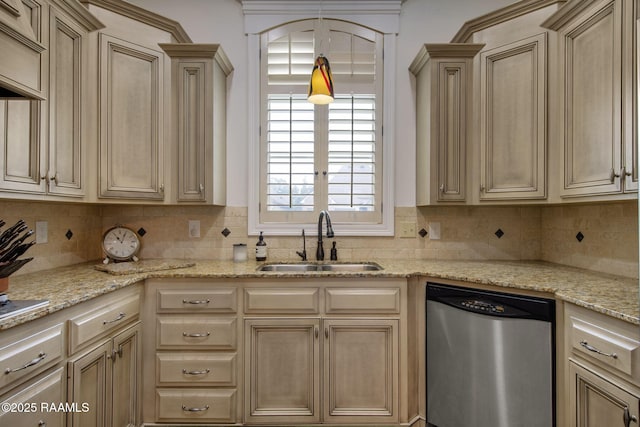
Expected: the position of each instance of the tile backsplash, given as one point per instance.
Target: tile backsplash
(609, 244)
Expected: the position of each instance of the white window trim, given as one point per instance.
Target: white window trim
(380, 15)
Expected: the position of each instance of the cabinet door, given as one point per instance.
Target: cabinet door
(361, 371)
(131, 120)
(21, 146)
(64, 173)
(40, 403)
(596, 402)
(592, 57)
(126, 377)
(513, 114)
(192, 127)
(88, 381)
(282, 370)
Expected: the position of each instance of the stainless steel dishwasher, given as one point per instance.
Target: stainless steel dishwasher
(490, 359)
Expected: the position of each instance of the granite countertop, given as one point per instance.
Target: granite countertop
(608, 294)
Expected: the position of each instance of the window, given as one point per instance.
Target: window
(331, 157)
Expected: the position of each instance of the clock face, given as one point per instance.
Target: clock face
(120, 243)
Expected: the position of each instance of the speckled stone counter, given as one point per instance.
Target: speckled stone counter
(63, 287)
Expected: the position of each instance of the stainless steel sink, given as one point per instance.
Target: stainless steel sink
(316, 267)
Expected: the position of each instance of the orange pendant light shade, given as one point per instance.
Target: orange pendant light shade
(321, 84)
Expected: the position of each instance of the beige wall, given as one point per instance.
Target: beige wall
(530, 233)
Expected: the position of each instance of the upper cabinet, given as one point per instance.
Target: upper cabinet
(597, 88)
(133, 93)
(43, 149)
(199, 83)
(20, 39)
(511, 103)
(443, 116)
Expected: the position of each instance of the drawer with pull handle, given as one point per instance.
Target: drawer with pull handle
(86, 327)
(202, 405)
(606, 346)
(196, 369)
(222, 300)
(30, 355)
(202, 332)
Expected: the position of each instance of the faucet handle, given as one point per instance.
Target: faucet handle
(334, 252)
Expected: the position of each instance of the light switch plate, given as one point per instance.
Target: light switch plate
(434, 231)
(407, 229)
(194, 228)
(42, 232)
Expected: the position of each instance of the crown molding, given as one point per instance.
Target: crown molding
(501, 15)
(127, 9)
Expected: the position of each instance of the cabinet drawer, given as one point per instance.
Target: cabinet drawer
(200, 405)
(196, 332)
(204, 301)
(33, 354)
(280, 301)
(606, 346)
(196, 368)
(33, 403)
(363, 300)
(100, 321)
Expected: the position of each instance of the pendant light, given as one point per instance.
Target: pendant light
(321, 83)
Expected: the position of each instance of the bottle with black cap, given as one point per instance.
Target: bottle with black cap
(261, 249)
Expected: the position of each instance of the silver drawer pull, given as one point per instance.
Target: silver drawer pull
(117, 319)
(595, 350)
(187, 409)
(196, 334)
(29, 364)
(196, 301)
(205, 372)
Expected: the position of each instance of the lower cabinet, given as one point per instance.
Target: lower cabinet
(360, 370)
(284, 361)
(276, 352)
(106, 379)
(36, 404)
(597, 402)
(603, 370)
(282, 376)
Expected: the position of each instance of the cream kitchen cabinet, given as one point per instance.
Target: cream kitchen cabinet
(104, 369)
(277, 351)
(597, 94)
(283, 370)
(20, 39)
(132, 94)
(43, 139)
(37, 403)
(511, 103)
(343, 357)
(603, 369)
(191, 365)
(106, 378)
(32, 374)
(443, 118)
(199, 73)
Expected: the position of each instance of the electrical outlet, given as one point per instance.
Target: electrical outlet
(434, 231)
(407, 229)
(42, 232)
(194, 228)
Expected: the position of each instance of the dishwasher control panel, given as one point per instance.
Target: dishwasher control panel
(485, 306)
(492, 303)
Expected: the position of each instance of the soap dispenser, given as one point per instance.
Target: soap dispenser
(261, 249)
(334, 252)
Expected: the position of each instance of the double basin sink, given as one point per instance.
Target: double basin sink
(317, 267)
